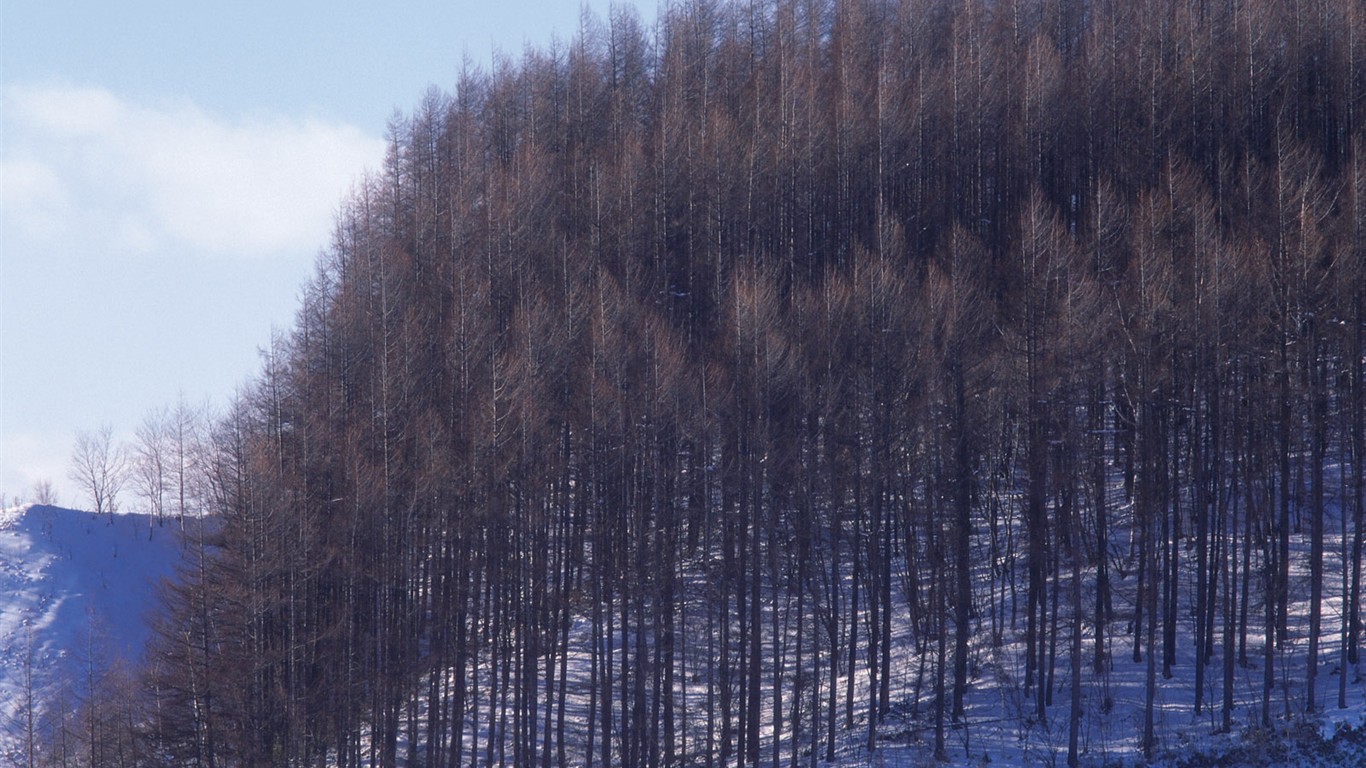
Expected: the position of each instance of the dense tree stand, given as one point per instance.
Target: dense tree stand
(767, 385)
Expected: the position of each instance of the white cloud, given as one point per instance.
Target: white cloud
(32, 196)
(173, 177)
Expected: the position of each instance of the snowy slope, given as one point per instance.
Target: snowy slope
(1000, 729)
(70, 580)
(72, 583)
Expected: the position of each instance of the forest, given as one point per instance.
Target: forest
(739, 388)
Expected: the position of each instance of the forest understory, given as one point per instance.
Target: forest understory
(1003, 722)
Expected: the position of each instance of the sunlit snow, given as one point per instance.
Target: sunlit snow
(72, 584)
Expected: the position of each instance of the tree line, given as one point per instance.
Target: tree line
(706, 393)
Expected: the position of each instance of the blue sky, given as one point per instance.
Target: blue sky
(168, 173)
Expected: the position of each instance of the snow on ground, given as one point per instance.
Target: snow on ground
(999, 728)
(72, 583)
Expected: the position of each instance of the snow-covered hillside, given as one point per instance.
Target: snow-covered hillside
(72, 584)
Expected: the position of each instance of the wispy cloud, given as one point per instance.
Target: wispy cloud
(152, 177)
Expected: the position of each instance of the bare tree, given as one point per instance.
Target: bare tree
(153, 460)
(185, 428)
(43, 492)
(99, 468)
